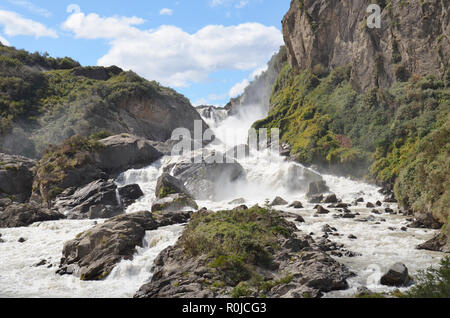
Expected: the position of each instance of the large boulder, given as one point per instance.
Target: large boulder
(174, 202)
(297, 267)
(439, 243)
(206, 179)
(296, 205)
(91, 201)
(129, 194)
(317, 188)
(122, 152)
(24, 214)
(167, 185)
(93, 254)
(330, 199)
(278, 201)
(79, 161)
(16, 177)
(397, 276)
(299, 177)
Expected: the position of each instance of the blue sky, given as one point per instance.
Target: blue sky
(206, 49)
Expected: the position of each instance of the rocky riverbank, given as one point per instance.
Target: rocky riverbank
(244, 253)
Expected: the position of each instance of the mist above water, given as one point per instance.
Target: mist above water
(267, 175)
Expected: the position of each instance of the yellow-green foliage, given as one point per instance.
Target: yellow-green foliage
(57, 161)
(423, 183)
(306, 110)
(432, 283)
(235, 242)
(401, 133)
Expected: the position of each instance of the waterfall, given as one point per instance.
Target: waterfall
(268, 175)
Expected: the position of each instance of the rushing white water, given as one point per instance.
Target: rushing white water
(380, 244)
(268, 175)
(44, 241)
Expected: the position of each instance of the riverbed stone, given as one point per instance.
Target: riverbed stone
(397, 276)
(278, 201)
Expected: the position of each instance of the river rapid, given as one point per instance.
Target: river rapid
(379, 244)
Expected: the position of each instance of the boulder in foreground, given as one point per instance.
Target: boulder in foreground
(93, 254)
(219, 255)
(397, 276)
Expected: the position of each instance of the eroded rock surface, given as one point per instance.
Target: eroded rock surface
(94, 253)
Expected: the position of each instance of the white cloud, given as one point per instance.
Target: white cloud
(4, 41)
(93, 26)
(14, 24)
(32, 7)
(238, 89)
(166, 11)
(172, 56)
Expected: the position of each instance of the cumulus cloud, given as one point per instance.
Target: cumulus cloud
(93, 26)
(4, 41)
(172, 56)
(14, 24)
(166, 11)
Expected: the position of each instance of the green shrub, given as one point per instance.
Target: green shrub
(234, 242)
(241, 290)
(433, 283)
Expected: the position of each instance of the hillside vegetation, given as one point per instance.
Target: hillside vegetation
(44, 101)
(355, 101)
(398, 135)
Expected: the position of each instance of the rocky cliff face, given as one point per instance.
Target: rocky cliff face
(370, 102)
(413, 39)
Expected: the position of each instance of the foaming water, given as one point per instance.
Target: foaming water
(233, 131)
(20, 278)
(381, 242)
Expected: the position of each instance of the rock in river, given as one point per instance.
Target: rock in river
(94, 253)
(167, 185)
(397, 276)
(278, 201)
(174, 202)
(24, 214)
(206, 179)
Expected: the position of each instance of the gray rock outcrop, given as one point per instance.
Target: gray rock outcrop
(93, 254)
(24, 214)
(322, 34)
(16, 177)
